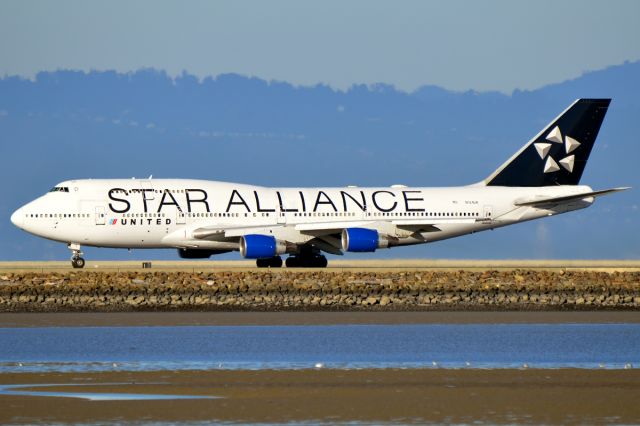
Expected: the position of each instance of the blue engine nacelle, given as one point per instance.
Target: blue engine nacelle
(362, 240)
(256, 246)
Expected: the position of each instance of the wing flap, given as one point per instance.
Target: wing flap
(213, 232)
(329, 227)
(433, 222)
(566, 198)
(421, 225)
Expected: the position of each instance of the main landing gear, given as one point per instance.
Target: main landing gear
(270, 262)
(307, 258)
(76, 257)
(317, 261)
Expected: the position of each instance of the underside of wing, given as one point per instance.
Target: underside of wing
(223, 232)
(431, 225)
(328, 228)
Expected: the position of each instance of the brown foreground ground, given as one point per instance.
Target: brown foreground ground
(568, 396)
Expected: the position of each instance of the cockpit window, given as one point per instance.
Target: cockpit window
(60, 189)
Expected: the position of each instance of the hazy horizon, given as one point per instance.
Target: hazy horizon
(496, 45)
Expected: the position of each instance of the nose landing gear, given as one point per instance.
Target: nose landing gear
(77, 262)
(76, 257)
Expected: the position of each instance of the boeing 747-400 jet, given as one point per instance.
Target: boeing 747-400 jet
(201, 218)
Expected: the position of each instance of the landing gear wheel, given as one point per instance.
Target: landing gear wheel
(76, 255)
(322, 262)
(292, 262)
(306, 262)
(275, 262)
(270, 262)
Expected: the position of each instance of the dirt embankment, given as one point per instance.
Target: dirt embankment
(319, 290)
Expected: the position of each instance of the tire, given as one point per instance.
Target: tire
(316, 262)
(306, 262)
(262, 263)
(77, 263)
(275, 262)
(321, 262)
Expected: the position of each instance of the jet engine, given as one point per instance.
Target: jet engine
(363, 240)
(256, 246)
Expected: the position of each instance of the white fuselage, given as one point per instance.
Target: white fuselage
(198, 214)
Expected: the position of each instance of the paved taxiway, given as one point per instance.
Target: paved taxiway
(337, 265)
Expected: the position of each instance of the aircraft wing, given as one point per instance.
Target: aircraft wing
(431, 225)
(417, 224)
(327, 228)
(321, 229)
(565, 198)
(218, 231)
(326, 235)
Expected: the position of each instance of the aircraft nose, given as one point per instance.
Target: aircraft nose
(17, 218)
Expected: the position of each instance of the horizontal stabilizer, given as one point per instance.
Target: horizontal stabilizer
(566, 198)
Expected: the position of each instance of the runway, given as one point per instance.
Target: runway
(338, 265)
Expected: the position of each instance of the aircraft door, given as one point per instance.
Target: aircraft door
(100, 215)
(147, 192)
(284, 204)
(181, 218)
(281, 216)
(488, 212)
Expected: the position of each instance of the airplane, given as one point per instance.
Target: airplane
(202, 218)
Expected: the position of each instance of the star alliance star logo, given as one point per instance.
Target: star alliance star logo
(543, 148)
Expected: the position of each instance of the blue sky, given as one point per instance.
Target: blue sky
(459, 45)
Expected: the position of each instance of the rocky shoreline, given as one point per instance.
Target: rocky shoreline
(264, 290)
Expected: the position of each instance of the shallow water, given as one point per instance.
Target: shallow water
(611, 346)
(92, 396)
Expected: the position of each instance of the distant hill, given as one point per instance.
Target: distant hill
(69, 124)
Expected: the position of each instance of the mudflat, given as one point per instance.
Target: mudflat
(125, 319)
(563, 396)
